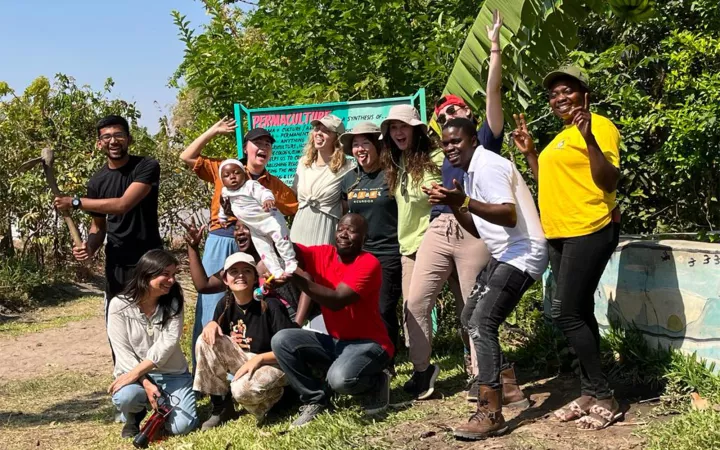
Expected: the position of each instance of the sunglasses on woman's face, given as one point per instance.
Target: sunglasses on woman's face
(450, 111)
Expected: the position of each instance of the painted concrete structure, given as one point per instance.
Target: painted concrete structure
(670, 290)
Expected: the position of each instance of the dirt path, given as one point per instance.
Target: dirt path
(80, 346)
(532, 429)
(74, 341)
(77, 347)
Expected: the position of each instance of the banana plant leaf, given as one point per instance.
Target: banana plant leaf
(536, 37)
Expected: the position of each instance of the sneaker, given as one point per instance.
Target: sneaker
(422, 384)
(378, 400)
(223, 411)
(473, 389)
(308, 414)
(132, 425)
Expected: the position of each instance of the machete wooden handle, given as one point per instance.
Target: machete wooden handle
(74, 232)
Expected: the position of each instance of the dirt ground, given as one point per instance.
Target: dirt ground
(77, 354)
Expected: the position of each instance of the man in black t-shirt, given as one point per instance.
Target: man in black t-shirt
(122, 198)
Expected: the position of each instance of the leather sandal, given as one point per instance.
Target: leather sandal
(574, 410)
(600, 417)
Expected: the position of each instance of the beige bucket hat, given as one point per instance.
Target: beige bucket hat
(404, 113)
(332, 123)
(361, 128)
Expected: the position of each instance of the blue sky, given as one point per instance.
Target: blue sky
(132, 41)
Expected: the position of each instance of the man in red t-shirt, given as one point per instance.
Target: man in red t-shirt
(357, 350)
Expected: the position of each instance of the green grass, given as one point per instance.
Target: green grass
(72, 410)
(32, 409)
(694, 430)
(346, 427)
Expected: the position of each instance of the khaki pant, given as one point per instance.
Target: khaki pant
(447, 253)
(257, 394)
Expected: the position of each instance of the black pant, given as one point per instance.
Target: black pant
(390, 292)
(577, 265)
(116, 277)
(498, 290)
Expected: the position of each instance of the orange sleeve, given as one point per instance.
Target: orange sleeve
(207, 169)
(285, 199)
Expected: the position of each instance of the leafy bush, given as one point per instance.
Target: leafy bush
(20, 276)
(659, 81)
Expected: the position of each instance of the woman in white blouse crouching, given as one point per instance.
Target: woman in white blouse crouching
(145, 323)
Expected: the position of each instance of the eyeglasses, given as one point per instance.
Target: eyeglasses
(451, 110)
(403, 184)
(120, 136)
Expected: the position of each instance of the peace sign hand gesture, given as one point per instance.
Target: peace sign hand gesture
(582, 118)
(521, 136)
(494, 30)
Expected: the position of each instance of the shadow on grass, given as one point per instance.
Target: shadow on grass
(90, 407)
(55, 294)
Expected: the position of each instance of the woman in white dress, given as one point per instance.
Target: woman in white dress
(318, 184)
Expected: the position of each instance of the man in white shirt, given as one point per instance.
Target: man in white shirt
(498, 208)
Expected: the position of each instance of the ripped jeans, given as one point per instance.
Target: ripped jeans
(497, 291)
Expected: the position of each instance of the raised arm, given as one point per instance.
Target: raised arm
(604, 174)
(203, 284)
(524, 142)
(190, 154)
(493, 103)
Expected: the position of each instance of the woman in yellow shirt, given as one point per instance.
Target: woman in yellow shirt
(577, 176)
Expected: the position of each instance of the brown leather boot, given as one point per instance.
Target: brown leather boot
(488, 421)
(513, 396)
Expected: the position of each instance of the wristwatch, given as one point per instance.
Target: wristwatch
(76, 203)
(465, 203)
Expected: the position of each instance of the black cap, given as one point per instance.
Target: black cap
(256, 133)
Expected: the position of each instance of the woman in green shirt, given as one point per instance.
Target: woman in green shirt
(412, 163)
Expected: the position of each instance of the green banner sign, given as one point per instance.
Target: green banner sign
(290, 125)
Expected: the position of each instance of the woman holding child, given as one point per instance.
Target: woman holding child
(220, 243)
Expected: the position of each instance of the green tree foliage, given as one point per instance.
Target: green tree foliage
(308, 51)
(535, 36)
(62, 115)
(659, 81)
